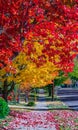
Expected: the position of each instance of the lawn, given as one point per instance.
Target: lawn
(57, 105)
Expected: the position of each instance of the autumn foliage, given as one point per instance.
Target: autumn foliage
(16, 18)
(38, 38)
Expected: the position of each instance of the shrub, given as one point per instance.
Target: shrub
(31, 103)
(4, 109)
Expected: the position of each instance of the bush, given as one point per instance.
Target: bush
(4, 109)
(31, 103)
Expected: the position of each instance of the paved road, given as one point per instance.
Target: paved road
(69, 96)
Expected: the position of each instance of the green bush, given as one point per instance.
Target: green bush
(4, 109)
(31, 103)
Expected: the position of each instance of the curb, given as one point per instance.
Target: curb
(40, 109)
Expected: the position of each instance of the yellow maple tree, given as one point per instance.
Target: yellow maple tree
(28, 72)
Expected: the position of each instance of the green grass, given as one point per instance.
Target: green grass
(76, 120)
(62, 128)
(57, 105)
(5, 121)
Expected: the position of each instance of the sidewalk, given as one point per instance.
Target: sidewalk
(41, 104)
(38, 106)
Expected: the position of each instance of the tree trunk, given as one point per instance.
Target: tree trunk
(49, 90)
(4, 91)
(26, 96)
(5, 95)
(53, 91)
(18, 97)
(35, 94)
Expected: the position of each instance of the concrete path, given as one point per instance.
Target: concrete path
(41, 122)
(41, 104)
(38, 120)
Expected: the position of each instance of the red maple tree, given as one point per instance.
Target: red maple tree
(19, 18)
